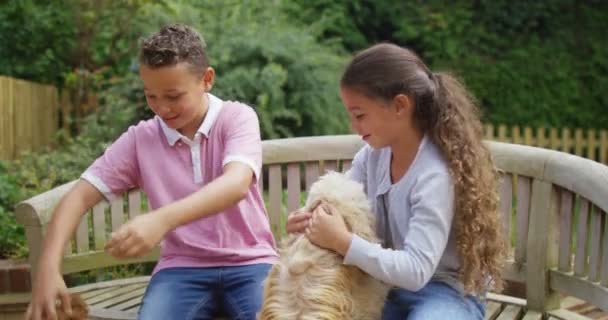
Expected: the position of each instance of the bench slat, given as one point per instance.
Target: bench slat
(604, 277)
(563, 314)
(99, 225)
(346, 164)
(506, 203)
(134, 203)
(293, 187)
(330, 165)
(312, 173)
(121, 297)
(117, 214)
(510, 312)
(99, 300)
(565, 231)
(596, 242)
(275, 189)
(580, 258)
(532, 315)
(82, 234)
(134, 300)
(522, 218)
(492, 310)
(95, 292)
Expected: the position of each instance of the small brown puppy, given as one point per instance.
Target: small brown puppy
(80, 310)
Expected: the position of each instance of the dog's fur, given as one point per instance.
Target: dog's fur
(312, 283)
(80, 310)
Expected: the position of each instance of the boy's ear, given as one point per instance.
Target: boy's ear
(208, 78)
(403, 104)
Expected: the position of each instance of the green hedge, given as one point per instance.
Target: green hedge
(534, 63)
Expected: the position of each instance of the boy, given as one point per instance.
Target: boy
(198, 161)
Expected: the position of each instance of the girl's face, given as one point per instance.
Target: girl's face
(175, 94)
(378, 122)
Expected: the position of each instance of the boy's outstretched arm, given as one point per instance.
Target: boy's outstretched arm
(140, 235)
(49, 283)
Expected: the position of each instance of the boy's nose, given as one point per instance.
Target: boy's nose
(163, 110)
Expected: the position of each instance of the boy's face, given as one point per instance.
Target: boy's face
(175, 94)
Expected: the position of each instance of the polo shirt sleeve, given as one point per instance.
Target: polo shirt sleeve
(242, 139)
(117, 170)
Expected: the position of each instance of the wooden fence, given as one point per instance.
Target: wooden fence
(28, 116)
(29, 119)
(591, 144)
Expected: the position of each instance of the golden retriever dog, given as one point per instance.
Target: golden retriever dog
(80, 310)
(312, 283)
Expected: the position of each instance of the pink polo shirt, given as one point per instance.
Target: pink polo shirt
(168, 166)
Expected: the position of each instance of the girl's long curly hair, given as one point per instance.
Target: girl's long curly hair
(447, 113)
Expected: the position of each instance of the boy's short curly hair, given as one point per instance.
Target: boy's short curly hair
(174, 44)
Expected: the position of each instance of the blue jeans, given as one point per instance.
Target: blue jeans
(203, 293)
(436, 301)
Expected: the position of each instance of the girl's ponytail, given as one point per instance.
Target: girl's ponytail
(458, 132)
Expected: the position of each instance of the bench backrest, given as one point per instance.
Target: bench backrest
(553, 204)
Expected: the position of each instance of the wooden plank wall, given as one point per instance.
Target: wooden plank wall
(28, 116)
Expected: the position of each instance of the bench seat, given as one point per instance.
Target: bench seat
(553, 206)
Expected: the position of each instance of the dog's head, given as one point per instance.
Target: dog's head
(349, 199)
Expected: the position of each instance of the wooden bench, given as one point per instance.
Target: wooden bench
(554, 207)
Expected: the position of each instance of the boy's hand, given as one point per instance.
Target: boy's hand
(298, 221)
(328, 230)
(49, 286)
(137, 237)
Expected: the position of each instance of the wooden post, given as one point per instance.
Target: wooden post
(591, 145)
(579, 143)
(516, 135)
(502, 133)
(603, 147)
(489, 134)
(542, 246)
(554, 142)
(541, 141)
(528, 138)
(566, 142)
(9, 119)
(3, 106)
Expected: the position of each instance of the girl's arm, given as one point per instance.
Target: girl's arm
(411, 266)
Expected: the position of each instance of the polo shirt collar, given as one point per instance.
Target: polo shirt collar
(215, 104)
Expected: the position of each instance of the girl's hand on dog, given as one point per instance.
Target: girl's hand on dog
(328, 230)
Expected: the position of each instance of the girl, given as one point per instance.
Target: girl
(197, 160)
(432, 185)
